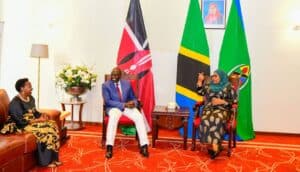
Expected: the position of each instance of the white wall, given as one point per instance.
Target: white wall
(89, 31)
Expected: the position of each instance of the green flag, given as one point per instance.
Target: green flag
(234, 57)
(193, 57)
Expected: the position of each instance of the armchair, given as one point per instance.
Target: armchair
(123, 121)
(231, 123)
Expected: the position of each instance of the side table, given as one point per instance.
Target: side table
(74, 125)
(162, 117)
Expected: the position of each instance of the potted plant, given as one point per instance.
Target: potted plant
(75, 80)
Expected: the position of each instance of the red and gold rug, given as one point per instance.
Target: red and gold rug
(82, 152)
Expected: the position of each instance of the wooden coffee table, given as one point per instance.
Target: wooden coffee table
(162, 117)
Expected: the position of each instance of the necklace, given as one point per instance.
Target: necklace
(27, 99)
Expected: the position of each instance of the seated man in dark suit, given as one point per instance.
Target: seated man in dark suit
(120, 100)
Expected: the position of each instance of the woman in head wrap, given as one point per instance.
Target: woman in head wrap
(218, 95)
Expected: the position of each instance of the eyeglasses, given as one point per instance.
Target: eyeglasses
(214, 76)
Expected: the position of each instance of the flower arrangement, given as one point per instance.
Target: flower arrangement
(76, 76)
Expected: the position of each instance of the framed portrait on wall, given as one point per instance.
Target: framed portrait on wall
(214, 13)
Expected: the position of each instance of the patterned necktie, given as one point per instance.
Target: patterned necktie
(119, 91)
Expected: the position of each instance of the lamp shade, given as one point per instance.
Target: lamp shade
(39, 50)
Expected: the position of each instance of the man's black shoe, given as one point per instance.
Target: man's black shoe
(210, 152)
(109, 151)
(144, 151)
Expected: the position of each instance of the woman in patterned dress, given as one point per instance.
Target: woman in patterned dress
(24, 114)
(218, 95)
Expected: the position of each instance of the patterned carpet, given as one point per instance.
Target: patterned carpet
(82, 152)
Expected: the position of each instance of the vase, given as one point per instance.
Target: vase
(76, 91)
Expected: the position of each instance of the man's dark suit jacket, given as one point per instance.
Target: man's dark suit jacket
(111, 97)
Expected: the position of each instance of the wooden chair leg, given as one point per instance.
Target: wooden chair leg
(156, 133)
(229, 142)
(193, 138)
(234, 138)
(104, 127)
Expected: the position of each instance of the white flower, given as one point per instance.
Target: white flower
(68, 73)
(71, 76)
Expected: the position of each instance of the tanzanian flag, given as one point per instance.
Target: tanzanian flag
(193, 57)
(234, 57)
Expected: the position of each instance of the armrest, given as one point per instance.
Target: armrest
(52, 115)
(59, 118)
(64, 114)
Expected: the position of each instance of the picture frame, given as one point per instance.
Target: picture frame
(214, 14)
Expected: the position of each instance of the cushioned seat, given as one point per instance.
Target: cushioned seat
(28, 139)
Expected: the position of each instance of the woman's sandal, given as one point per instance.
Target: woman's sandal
(58, 163)
(52, 165)
(214, 154)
